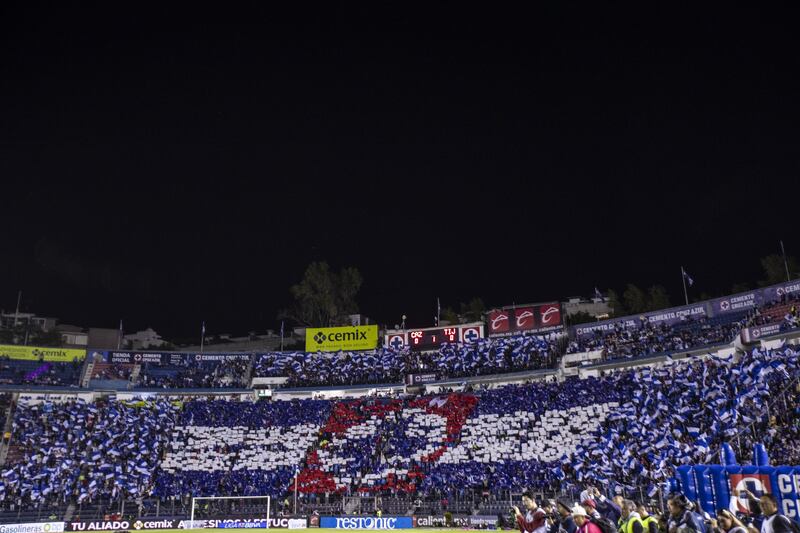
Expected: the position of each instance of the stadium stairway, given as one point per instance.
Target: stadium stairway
(86, 377)
(135, 373)
(69, 512)
(7, 427)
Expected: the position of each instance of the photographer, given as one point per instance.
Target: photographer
(534, 520)
(727, 523)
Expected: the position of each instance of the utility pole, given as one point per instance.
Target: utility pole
(785, 264)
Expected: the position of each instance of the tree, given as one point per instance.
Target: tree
(323, 296)
(657, 298)
(775, 269)
(450, 316)
(740, 287)
(51, 338)
(581, 317)
(474, 310)
(635, 299)
(615, 303)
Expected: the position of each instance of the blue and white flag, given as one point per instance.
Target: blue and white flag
(689, 280)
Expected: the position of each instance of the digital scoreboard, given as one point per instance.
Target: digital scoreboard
(433, 338)
(422, 339)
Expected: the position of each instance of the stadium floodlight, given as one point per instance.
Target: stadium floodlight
(230, 507)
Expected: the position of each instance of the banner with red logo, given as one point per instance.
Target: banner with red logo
(498, 321)
(536, 318)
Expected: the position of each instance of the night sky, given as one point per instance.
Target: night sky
(166, 168)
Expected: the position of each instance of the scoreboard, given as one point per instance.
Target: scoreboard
(433, 338)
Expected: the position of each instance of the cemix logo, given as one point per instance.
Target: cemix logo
(138, 524)
(345, 336)
(40, 353)
(550, 312)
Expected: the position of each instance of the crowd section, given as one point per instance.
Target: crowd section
(238, 448)
(485, 356)
(192, 374)
(648, 339)
(41, 372)
(77, 451)
(625, 430)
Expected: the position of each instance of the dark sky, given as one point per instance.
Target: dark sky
(172, 167)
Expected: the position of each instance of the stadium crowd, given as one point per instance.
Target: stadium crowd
(485, 356)
(625, 430)
(41, 372)
(77, 451)
(227, 373)
(648, 339)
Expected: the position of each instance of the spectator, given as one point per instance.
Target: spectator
(727, 523)
(583, 521)
(566, 523)
(534, 520)
(774, 522)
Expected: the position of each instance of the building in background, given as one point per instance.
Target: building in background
(7, 320)
(142, 340)
(597, 307)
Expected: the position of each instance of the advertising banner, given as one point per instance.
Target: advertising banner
(498, 321)
(345, 338)
(429, 521)
(33, 398)
(736, 302)
(756, 333)
(39, 527)
(36, 353)
(671, 316)
(782, 481)
(367, 522)
(143, 525)
(420, 379)
(742, 301)
(536, 318)
(776, 292)
(168, 358)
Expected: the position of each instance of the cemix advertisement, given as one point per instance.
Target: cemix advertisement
(36, 353)
(348, 338)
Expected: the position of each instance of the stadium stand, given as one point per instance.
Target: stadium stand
(649, 339)
(627, 430)
(23, 372)
(191, 374)
(486, 356)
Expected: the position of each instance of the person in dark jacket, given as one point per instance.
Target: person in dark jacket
(607, 508)
(682, 519)
(567, 523)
